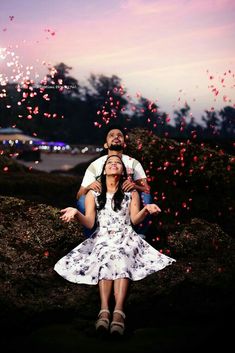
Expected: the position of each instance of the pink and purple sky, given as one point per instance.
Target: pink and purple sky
(171, 51)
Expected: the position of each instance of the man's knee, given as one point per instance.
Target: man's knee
(81, 207)
(146, 198)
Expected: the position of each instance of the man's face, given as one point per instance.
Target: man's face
(115, 140)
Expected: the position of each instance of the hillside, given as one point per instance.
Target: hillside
(41, 311)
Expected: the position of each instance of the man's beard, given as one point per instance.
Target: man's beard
(115, 148)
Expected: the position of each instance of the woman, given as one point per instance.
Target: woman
(115, 253)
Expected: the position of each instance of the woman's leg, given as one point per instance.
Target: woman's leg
(102, 323)
(120, 293)
(105, 289)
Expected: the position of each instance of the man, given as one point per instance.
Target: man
(115, 144)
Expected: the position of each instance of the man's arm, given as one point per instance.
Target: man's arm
(140, 185)
(89, 181)
(137, 180)
(95, 186)
(81, 191)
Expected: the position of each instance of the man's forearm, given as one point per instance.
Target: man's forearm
(142, 187)
(81, 191)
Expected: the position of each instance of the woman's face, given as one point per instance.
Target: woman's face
(113, 166)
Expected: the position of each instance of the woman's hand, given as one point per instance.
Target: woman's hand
(152, 209)
(68, 214)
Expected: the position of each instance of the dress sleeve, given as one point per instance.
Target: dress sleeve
(128, 195)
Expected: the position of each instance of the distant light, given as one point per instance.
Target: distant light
(85, 149)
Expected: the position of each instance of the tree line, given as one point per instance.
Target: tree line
(60, 108)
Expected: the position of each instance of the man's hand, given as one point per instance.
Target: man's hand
(152, 209)
(68, 214)
(128, 185)
(95, 186)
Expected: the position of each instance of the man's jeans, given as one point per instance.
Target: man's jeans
(140, 228)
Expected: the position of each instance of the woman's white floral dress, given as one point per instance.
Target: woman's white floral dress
(113, 251)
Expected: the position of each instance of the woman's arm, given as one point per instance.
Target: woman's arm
(137, 215)
(71, 213)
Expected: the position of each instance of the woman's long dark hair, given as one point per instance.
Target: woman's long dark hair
(119, 194)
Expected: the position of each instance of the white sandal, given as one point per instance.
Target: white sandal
(118, 327)
(102, 324)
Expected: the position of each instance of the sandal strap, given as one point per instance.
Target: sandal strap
(120, 312)
(103, 311)
(102, 319)
(117, 323)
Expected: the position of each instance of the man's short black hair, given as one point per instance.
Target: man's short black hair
(114, 127)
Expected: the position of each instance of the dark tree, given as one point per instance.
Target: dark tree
(228, 122)
(59, 78)
(106, 102)
(211, 121)
(180, 119)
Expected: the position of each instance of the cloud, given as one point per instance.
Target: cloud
(149, 7)
(175, 69)
(142, 7)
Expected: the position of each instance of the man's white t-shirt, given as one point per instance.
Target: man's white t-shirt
(133, 167)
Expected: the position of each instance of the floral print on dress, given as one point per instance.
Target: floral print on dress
(113, 251)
